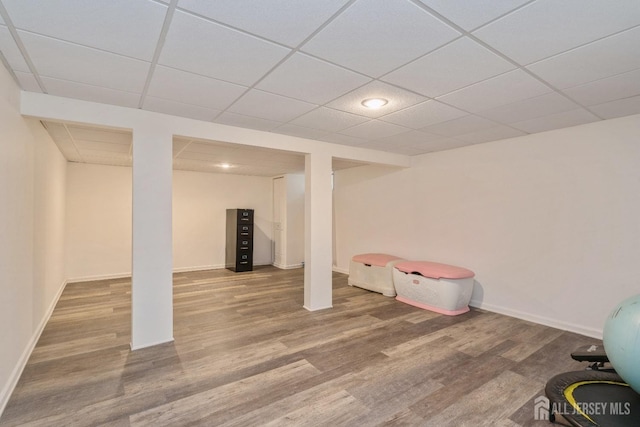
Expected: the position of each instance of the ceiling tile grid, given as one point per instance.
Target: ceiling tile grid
(454, 73)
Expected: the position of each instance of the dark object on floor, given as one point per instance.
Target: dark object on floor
(593, 398)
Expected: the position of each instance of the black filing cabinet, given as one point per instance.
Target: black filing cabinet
(239, 249)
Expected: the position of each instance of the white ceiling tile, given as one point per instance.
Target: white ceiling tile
(618, 108)
(299, 131)
(205, 147)
(398, 99)
(548, 27)
(329, 120)
(337, 138)
(604, 58)
(556, 121)
(101, 146)
(179, 144)
(440, 145)
(424, 114)
(390, 147)
(310, 80)
(174, 108)
(340, 164)
(411, 138)
(376, 36)
(11, 52)
(220, 157)
(472, 14)
(526, 109)
(94, 134)
(501, 90)
(239, 120)
(374, 129)
(491, 134)
(257, 103)
(456, 65)
(460, 126)
(75, 63)
(58, 131)
(194, 44)
(99, 24)
(91, 93)
(97, 155)
(28, 82)
(605, 90)
(295, 20)
(189, 88)
(63, 141)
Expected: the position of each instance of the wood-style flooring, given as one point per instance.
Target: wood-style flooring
(247, 353)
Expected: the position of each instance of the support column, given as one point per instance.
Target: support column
(152, 252)
(318, 232)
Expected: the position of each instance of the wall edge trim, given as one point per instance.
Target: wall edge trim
(541, 320)
(10, 386)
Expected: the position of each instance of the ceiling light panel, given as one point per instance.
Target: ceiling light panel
(398, 99)
(360, 40)
(100, 24)
(548, 27)
(259, 17)
(234, 57)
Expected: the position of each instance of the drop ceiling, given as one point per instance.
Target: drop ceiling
(455, 73)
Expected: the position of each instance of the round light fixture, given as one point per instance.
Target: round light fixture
(374, 103)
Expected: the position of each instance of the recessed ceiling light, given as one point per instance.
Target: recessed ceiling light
(374, 103)
(224, 165)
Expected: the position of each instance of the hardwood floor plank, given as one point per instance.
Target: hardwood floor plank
(246, 353)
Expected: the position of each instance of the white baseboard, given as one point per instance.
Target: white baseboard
(571, 327)
(198, 268)
(288, 266)
(98, 277)
(7, 390)
(340, 270)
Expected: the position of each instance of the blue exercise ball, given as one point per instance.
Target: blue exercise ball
(622, 340)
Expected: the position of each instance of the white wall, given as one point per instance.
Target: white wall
(549, 222)
(98, 231)
(99, 219)
(295, 220)
(32, 175)
(200, 201)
